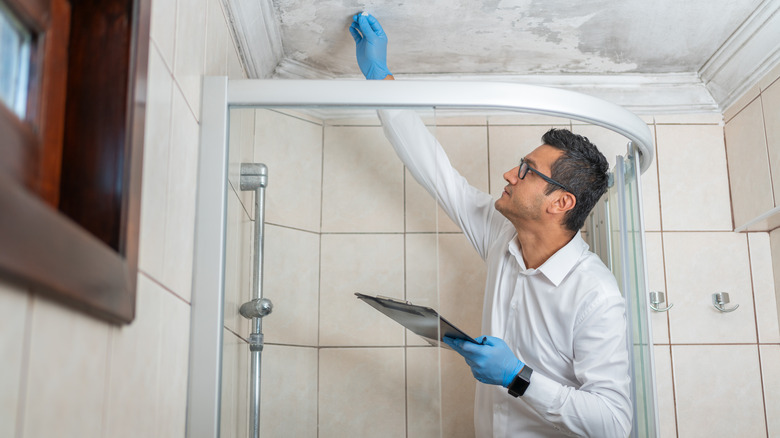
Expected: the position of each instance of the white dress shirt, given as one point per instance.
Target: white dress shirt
(565, 319)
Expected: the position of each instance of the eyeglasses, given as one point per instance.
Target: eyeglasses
(524, 167)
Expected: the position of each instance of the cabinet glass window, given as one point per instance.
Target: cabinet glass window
(14, 62)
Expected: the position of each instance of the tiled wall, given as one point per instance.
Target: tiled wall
(692, 253)
(66, 374)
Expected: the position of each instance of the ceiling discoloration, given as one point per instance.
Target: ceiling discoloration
(516, 36)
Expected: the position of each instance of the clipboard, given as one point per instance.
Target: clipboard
(423, 321)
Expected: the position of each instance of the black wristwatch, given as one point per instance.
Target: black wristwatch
(520, 382)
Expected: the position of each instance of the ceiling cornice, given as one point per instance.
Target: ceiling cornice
(643, 94)
(256, 32)
(746, 56)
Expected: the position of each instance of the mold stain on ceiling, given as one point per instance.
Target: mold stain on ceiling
(517, 37)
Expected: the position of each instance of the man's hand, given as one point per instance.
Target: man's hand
(371, 46)
(491, 360)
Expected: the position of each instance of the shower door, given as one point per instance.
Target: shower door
(622, 247)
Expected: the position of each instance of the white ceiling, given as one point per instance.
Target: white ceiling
(516, 36)
(697, 54)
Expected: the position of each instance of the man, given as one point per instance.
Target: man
(556, 360)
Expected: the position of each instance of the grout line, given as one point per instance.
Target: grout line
(287, 227)
(752, 285)
(766, 142)
(674, 391)
(160, 284)
(319, 275)
(25, 366)
(728, 178)
(763, 391)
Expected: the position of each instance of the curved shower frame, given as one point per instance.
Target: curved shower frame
(221, 94)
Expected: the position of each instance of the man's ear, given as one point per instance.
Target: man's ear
(563, 202)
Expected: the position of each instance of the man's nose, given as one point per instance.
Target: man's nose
(510, 175)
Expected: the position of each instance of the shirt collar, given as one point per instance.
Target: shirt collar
(559, 264)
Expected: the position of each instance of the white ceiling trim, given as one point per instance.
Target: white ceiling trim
(644, 94)
(746, 57)
(256, 32)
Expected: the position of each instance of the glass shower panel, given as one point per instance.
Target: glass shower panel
(628, 265)
(342, 216)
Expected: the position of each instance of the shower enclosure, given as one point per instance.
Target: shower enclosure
(344, 216)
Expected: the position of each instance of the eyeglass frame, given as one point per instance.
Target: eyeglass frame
(544, 177)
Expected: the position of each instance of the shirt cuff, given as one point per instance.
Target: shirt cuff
(542, 392)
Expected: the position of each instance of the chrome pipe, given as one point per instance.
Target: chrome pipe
(254, 176)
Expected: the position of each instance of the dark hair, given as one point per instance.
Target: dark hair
(581, 168)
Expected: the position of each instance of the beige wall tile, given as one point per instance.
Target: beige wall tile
(291, 281)
(133, 373)
(770, 78)
(511, 118)
(241, 145)
(770, 100)
(154, 195)
(763, 287)
(362, 185)
(461, 283)
(238, 264)
(700, 401)
(610, 143)
(651, 201)
(752, 93)
(236, 373)
(367, 263)
(664, 391)
(423, 392)
(748, 163)
(698, 265)
(235, 69)
(458, 387)
(292, 150)
(657, 282)
(361, 392)
(173, 364)
(290, 381)
(422, 280)
(693, 178)
(216, 40)
(774, 244)
(190, 50)
(163, 29)
(508, 144)
(770, 371)
(229, 406)
(466, 148)
(689, 119)
(14, 304)
(180, 213)
(66, 380)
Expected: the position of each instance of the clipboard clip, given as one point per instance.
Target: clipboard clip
(395, 300)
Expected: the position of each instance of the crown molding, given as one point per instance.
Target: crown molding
(643, 94)
(746, 56)
(256, 32)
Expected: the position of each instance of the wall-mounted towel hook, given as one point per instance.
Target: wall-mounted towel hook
(721, 298)
(657, 298)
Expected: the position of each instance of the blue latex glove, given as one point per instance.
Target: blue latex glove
(491, 361)
(371, 46)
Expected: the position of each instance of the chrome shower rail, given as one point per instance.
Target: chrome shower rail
(447, 94)
(219, 95)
